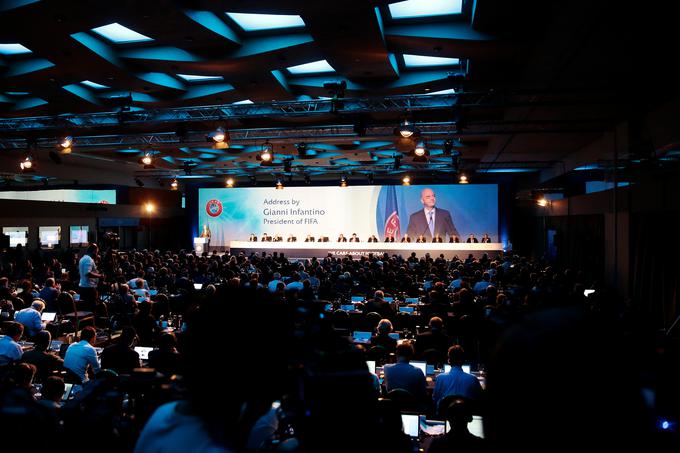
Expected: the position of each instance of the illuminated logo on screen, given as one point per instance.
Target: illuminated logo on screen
(213, 208)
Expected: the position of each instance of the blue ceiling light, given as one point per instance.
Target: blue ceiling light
(119, 34)
(13, 49)
(245, 101)
(425, 8)
(449, 91)
(314, 67)
(96, 86)
(420, 61)
(258, 22)
(17, 93)
(507, 170)
(199, 78)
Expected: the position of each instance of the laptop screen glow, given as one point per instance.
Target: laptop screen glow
(48, 316)
(143, 352)
(361, 337)
(388, 299)
(371, 365)
(411, 300)
(410, 422)
(357, 298)
(406, 309)
(347, 307)
(393, 335)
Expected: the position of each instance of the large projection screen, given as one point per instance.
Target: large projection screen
(232, 214)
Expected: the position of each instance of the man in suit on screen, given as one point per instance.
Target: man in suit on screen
(430, 221)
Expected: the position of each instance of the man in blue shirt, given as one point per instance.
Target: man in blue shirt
(456, 381)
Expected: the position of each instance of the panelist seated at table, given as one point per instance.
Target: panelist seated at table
(389, 238)
(354, 238)
(454, 239)
(486, 239)
(421, 239)
(324, 239)
(342, 238)
(310, 238)
(252, 237)
(472, 239)
(437, 239)
(373, 238)
(406, 238)
(266, 237)
(278, 238)
(291, 238)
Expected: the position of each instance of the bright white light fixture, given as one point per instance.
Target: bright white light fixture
(95, 85)
(314, 67)
(258, 22)
(13, 49)
(199, 78)
(427, 8)
(119, 34)
(421, 61)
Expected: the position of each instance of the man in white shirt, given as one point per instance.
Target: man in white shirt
(81, 355)
(89, 277)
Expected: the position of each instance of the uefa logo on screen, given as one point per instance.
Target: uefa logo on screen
(213, 208)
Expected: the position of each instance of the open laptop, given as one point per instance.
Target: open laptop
(67, 392)
(48, 316)
(388, 299)
(347, 307)
(431, 427)
(361, 337)
(411, 424)
(406, 309)
(371, 365)
(198, 285)
(394, 335)
(411, 300)
(153, 292)
(328, 307)
(55, 345)
(422, 365)
(357, 298)
(143, 352)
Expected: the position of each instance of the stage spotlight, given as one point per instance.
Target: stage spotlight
(218, 135)
(542, 202)
(149, 207)
(343, 181)
(279, 184)
(406, 180)
(267, 152)
(147, 160)
(462, 179)
(139, 182)
(66, 142)
(229, 182)
(405, 130)
(27, 165)
(174, 184)
(420, 149)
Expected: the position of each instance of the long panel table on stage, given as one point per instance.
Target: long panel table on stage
(323, 249)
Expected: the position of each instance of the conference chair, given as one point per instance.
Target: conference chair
(68, 311)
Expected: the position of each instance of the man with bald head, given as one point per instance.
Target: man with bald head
(430, 221)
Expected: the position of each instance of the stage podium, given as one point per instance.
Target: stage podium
(201, 244)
